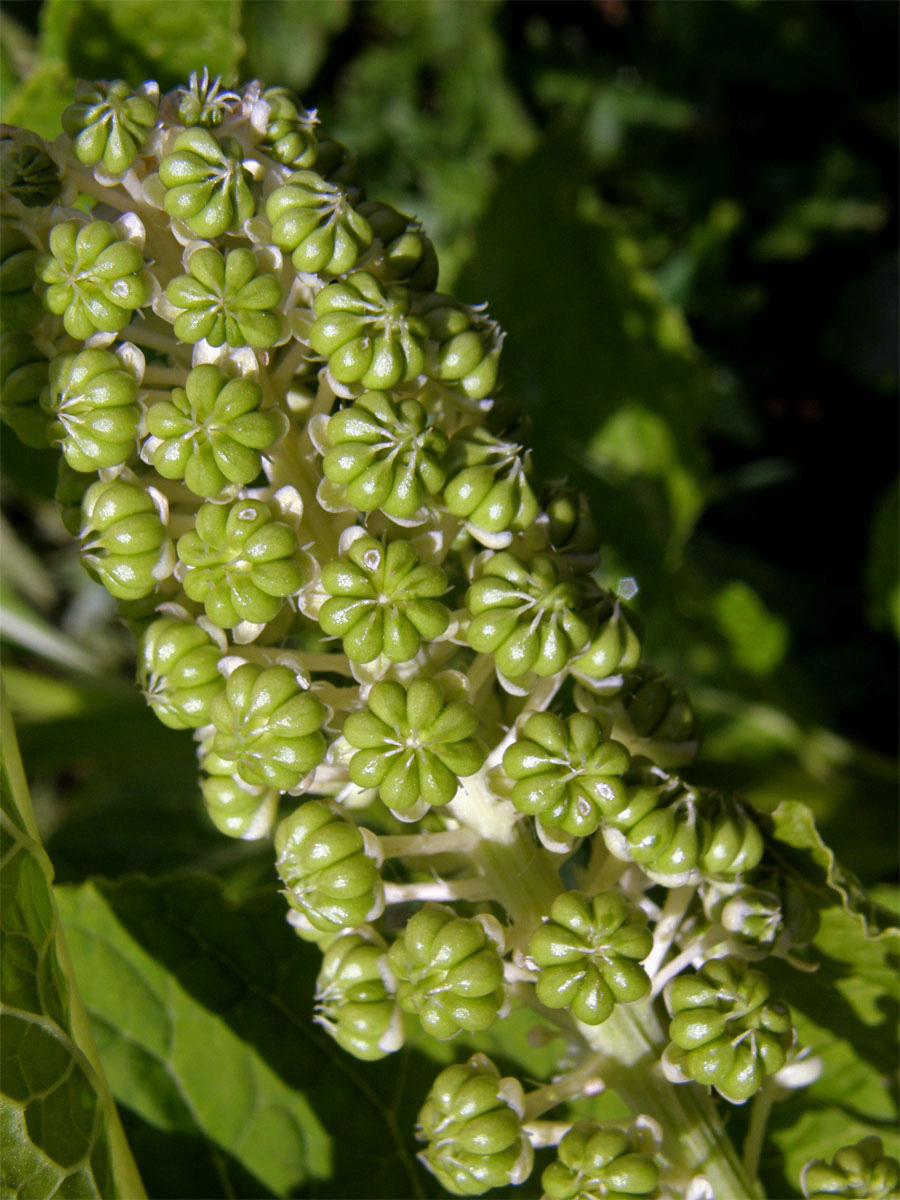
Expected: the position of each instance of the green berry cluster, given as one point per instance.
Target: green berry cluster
(292, 460)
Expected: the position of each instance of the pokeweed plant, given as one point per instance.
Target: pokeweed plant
(291, 461)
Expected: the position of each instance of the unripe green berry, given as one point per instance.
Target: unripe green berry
(226, 298)
(314, 221)
(237, 809)
(207, 186)
(93, 397)
(568, 774)
(386, 455)
(732, 842)
(587, 953)
(863, 1172)
(449, 971)
(383, 601)
(178, 671)
(124, 540)
(109, 123)
(212, 432)
(472, 1124)
(367, 332)
(204, 102)
(355, 996)
(240, 563)
(330, 868)
(407, 255)
(20, 305)
(290, 130)
(413, 744)
(268, 728)
(469, 346)
(487, 484)
(615, 646)
(23, 377)
(525, 616)
(595, 1161)
(725, 1032)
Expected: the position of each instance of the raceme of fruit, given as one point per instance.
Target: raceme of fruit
(292, 461)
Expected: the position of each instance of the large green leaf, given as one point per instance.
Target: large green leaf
(202, 1011)
(60, 1132)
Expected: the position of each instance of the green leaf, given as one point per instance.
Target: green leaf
(287, 43)
(202, 1011)
(60, 1131)
(846, 1014)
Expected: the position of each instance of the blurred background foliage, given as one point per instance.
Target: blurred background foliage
(685, 216)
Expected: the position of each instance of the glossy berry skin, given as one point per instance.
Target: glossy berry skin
(587, 954)
(226, 298)
(472, 1124)
(268, 728)
(667, 841)
(487, 484)
(240, 563)
(290, 130)
(23, 377)
(20, 305)
(449, 971)
(413, 744)
(329, 868)
(468, 347)
(567, 772)
(354, 996)
(863, 1172)
(384, 455)
(658, 708)
(407, 255)
(206, 185)
(315, 223)
(123, 539)
(178, 671)
(383, 601)
(367, 332)
(109, 123)
(93, 398)
(237, 809)
(94, 280)
(725, 1032)
(594, 1161)
(615, 645)
(732, 842)
(212, 432)
(525, 616)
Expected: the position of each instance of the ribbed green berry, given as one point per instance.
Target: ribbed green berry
(331, 870)
(384, 455)
(658, 707)
(204, 102)
(94, 280)
(525, 616)
(407, 255)
(587, 953)
(595, 1161)
(237, 809)
(468, 348)
(226, 298)
(109, 123)
(290, 129)
(123, 539)
(28, 174)
(368, 333)
(487, 484)
(20, 305)
(93, 398)
(355, 1000)
(268, 728)
(212, 432)
(383, 600)
(413, 744)
(314, 221)
(567, 773)
(615, 646)
(570, 526)
(240, 563)
(732, 842)
(178, 671)
(647, 787)
(472, 1123)
(725, 1032)
(667, 841)
(862, 1171)
(207, 187)
(449, 971)
(23, 377)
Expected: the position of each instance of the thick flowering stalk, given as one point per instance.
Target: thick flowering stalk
(292, 461)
